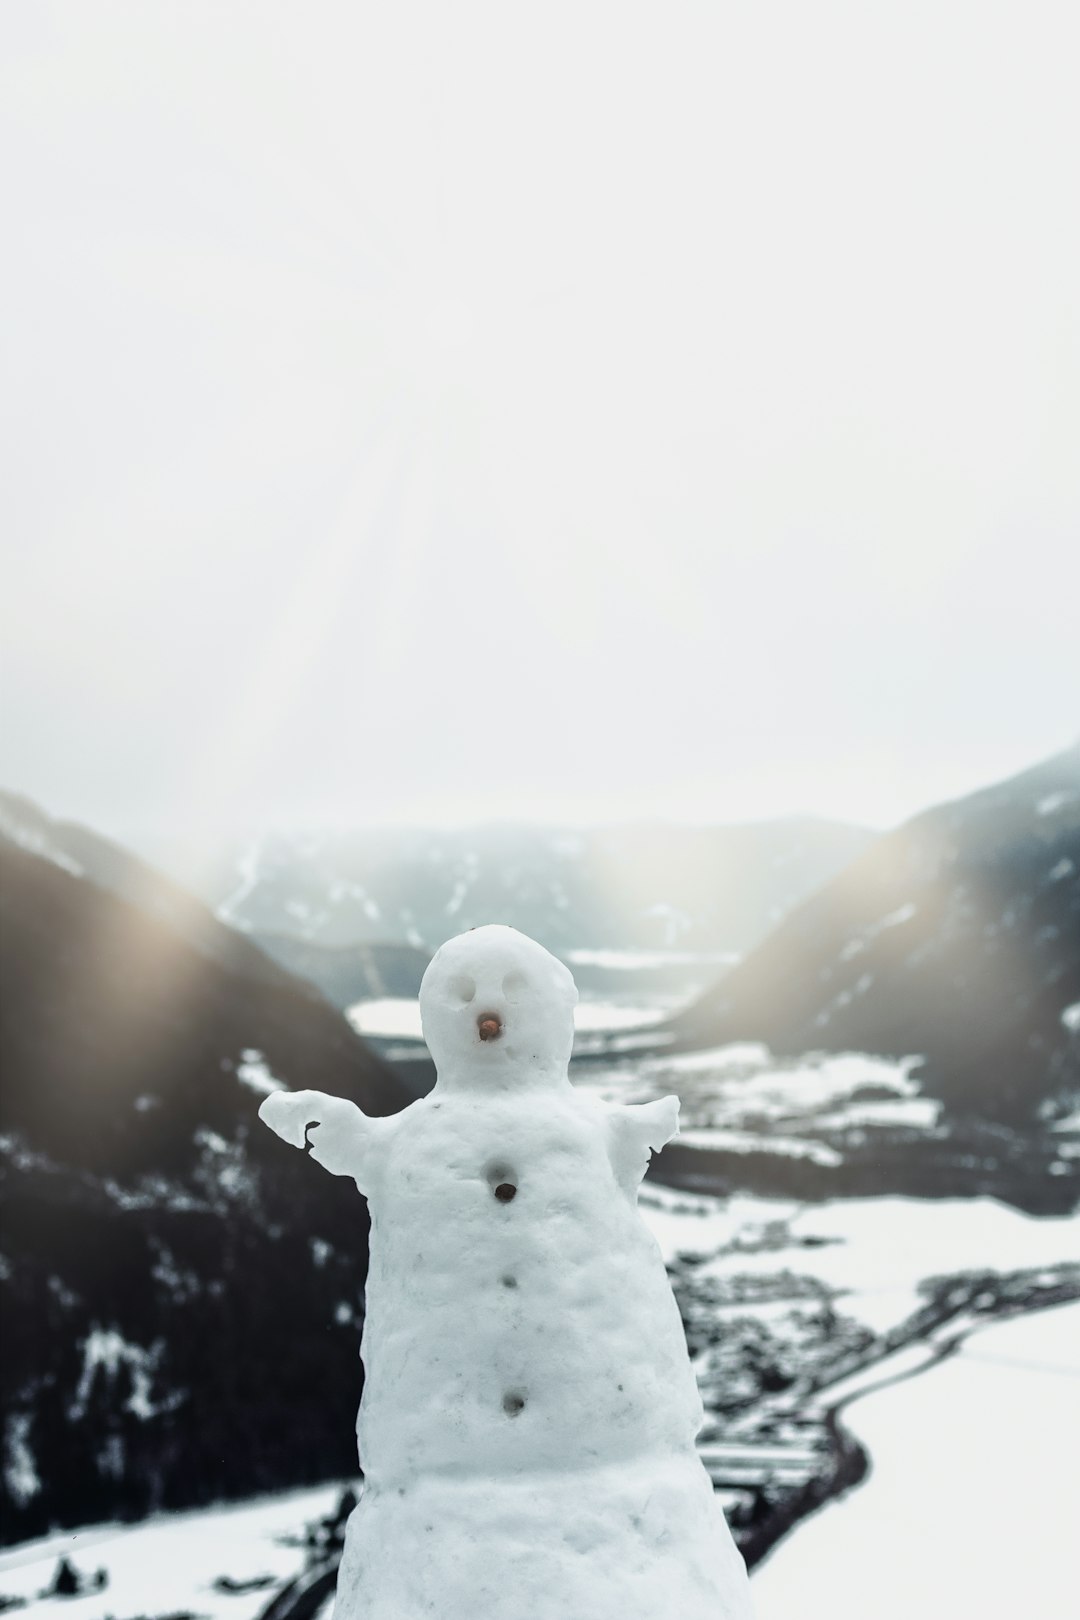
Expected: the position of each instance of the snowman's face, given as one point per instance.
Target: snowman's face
(493, 1002)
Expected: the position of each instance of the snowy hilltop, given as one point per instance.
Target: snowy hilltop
(529, 1413)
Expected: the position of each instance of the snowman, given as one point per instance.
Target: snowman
(529, 1410)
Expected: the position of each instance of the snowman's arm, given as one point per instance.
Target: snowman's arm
(633, 1131)
(342, 1138)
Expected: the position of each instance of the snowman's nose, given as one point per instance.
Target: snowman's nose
(489, 1026)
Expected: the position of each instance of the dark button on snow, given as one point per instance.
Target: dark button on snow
(505, 1191)
(513, 1403)
(489, 1026)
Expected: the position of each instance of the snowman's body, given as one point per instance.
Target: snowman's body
(529, 1412)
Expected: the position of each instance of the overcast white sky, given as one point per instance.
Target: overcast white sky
(571, 411)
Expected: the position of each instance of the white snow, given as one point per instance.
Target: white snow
(721, 1140)
(536, 1453)
(877, 1251)
(1063, 869)
(386, 1015)
(399, 1016)
(684, 1221)
(107, 1350)
(230, 908)
(341, 890)
(970, 1506)
(168, 1564)
(636, 960)
(599, 1015)
(20, 1465)
(254, 1071)
(1054, 802)
(889, 1245)
(1070, 1017)
(880, 1251)
(859, 941)
(742, 1088)
(461, 889)
(914, 1113)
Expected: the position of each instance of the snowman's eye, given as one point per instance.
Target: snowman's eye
(514, 985)
(462, 988)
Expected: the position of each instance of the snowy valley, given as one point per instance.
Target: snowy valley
(869, 1217)
(940, 1330)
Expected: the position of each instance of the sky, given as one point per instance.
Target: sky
(440, 413)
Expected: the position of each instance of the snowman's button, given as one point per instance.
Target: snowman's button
(505, 1191)
(513, 1402)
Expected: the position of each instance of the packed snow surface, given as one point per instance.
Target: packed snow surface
(970, 1506)
(529, 1413)
(169, 1564)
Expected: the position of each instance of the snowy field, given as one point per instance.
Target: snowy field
(743, 1099)
(168, 1565)
(966, 1505)
(970, 1506)
(873, 1251)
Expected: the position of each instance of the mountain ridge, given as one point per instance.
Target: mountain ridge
(647, 885)
(955, 937)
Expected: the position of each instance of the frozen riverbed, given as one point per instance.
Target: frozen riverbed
(970, 1506)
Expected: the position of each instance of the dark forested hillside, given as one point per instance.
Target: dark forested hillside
(181, 1295)
(956, 937)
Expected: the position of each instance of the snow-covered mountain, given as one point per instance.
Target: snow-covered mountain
(89, 855)
(955, 938)
(635, 887)
(349, 973)
(158, 1279)
(165, 1259)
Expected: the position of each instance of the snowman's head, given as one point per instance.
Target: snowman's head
(497, 1009)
